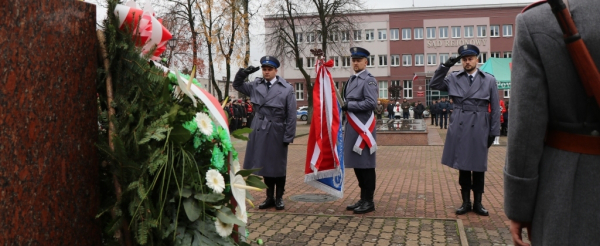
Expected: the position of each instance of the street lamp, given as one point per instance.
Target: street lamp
(172, 43)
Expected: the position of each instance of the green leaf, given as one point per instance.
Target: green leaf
(247, 172)
(192, 209)
(212, 197)
(256, 182)
(249, 196)
(185, 192)
(226, 216)
(239, 133)
(179, 134)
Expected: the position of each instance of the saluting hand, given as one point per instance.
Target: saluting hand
(451, 61)
(251, 69)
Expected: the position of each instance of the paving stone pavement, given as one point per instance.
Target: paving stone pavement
(296, 229)
(411, 184)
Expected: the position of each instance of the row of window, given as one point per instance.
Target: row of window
(458, 32)
(431, 32)
(384, 89)
(407, 60)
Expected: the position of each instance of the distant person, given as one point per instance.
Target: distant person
(379, 110)
(443, 109)
(433, 112)
(397, 111)
(552, 172)
(405, 109)
(390, 110)
(504, 129)
(419, 109)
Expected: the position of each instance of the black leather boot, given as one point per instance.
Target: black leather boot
(477, 207)
(269, 202)
(354, 206)
(365, 207)
(466, 205)
(280, 186)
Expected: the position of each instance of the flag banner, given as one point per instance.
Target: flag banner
(324, 156)
(415, 77)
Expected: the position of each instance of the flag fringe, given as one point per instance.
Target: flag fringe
(322, 175)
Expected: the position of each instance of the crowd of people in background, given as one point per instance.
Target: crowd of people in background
(240, 114)
(440, 112)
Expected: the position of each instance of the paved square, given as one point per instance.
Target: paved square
(411, 183)
(296, 229)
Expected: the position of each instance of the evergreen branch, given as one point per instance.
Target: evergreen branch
(145, 70)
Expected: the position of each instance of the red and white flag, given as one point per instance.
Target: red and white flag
(415, 77)
(324, 158)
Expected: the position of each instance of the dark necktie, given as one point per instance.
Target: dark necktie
(470, 80)
(268, 85)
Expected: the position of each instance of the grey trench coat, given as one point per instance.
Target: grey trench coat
(361, 95)
(273, 125)
(470, 123)
(556, 190)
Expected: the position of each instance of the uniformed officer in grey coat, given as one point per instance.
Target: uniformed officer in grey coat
(273, 126)
(360, 95)
(552, 172)
(472, 128)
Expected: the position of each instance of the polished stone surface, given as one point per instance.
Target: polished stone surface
(411, 125)
(48, 123)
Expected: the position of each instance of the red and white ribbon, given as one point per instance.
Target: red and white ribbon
(364, 133)
(143, 22)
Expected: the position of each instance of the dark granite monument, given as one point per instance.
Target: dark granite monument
(48, 123)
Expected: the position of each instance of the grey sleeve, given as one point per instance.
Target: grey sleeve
(529, 93)
(239, 85)
(495, 106)
(370, 101)
(440, 80)
(290, 118)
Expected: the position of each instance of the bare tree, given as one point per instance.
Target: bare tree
(185, 11)
(334, 21)
(229, 35)
(209, 18)
(329, 20)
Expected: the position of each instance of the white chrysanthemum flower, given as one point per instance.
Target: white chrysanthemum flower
(215, 181)
(235, 166)
(223, 229)
(241, 214)
(204, 123)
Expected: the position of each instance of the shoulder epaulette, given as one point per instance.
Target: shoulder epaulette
(530, 6)
(489, 74)
(455, 71)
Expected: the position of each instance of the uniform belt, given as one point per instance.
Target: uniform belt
(583, 144)
(472, 108)
(262, 117)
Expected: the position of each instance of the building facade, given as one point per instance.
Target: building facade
(408, 42)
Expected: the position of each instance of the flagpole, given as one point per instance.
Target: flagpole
(320, 56)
